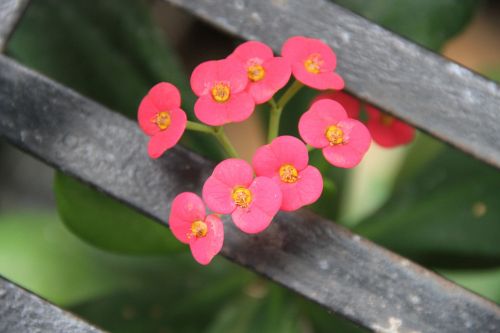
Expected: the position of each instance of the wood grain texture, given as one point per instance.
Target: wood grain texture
(308, 254)
(426, 90)
(23, 312)
(10, 13)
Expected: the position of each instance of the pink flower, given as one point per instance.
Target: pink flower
(266, 73)
(344, 140)
(190, 225)
(350, 103)
(313, 63)
(161, 117)
(285, 161)
(386, 130)
(220, 86)
(232, 189)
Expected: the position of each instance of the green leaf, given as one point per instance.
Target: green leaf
(107, 224)
(428, 22)
(446, 215)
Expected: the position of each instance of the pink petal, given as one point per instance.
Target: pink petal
(252, 51)
(208, 73)
(297, 49)
(186, 208)
(266, 201)
(218, 188)
(165, 96)
(217, 196)
(211, 112)
(350, 103)
(321, 81)
(164, 140)
(268, 159)
(277, 74)
(234, 172)
(146, 114)
(205, 248)
(349, 154)
(304, 192)
(356, 135)
(314, 122)
(331, 111)
(203, 77)
(294, 49)
(239, 107)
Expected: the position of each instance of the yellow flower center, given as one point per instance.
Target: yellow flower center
(313, 63)
(334, 134)
(242, 196)
(256, 72)
(386, 120)
(199, 229)
(288, 173)
(221, 92)
(162, 120)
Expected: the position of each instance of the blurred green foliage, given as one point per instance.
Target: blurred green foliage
(428, 22)
(442, 212)
(445, 215)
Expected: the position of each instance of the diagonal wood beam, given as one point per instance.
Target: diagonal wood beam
(433, 93)
(308, 254)
(21, 311)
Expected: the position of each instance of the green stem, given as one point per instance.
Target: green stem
(274, 121)
(220, 135)
(217, 132)
(287, 96)
(277, 108)
(197, 127)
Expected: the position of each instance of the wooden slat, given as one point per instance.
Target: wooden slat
(308, 254)
(23, 312)
(435, 94)
(10, 13)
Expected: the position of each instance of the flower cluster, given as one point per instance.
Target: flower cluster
(279, 176)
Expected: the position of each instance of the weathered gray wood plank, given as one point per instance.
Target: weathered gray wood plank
(10, 13)
(435, 94)
(23, 312)
(306, 253)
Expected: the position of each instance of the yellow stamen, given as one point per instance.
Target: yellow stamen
(199, 229)
(221, 92)
(386, 120)
(162, 120)
(313, 63)
(334, 135)
(242, 196)
(288, 173)
(256, 72)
